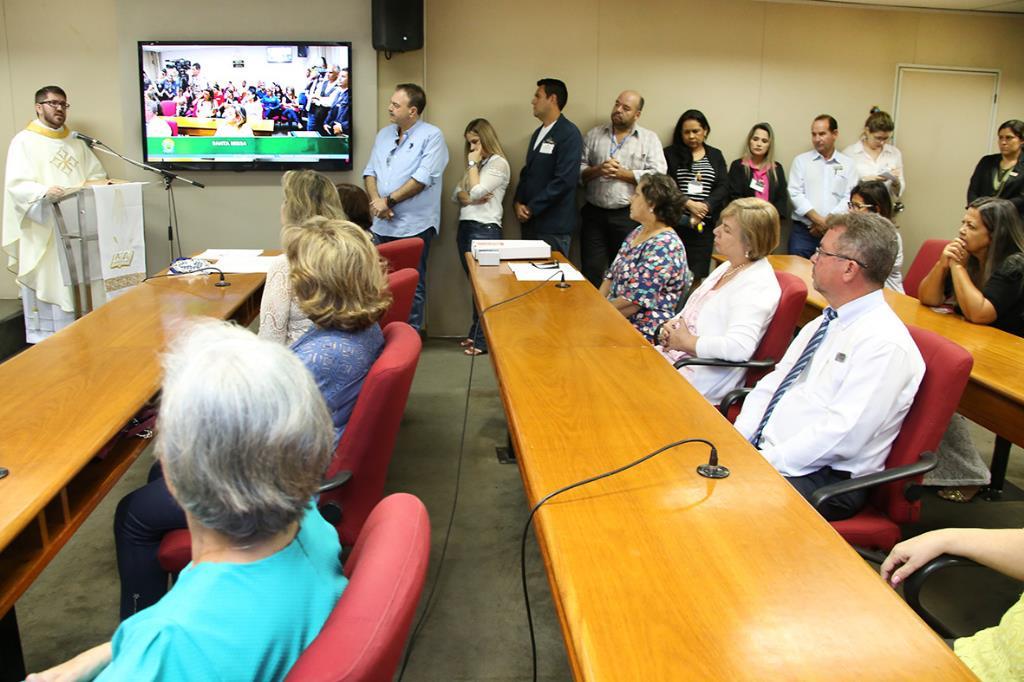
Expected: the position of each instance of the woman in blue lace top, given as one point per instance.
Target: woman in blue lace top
(339, 282)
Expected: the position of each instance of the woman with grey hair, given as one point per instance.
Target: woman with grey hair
(243, 440)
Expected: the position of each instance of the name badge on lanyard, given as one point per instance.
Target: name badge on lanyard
(756, 185)
(695, 187)
(547, 147)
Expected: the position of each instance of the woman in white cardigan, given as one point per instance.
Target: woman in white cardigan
(729, 312)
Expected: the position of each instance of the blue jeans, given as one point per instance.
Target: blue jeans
(468, 231)
(801, 241)
(419, 299)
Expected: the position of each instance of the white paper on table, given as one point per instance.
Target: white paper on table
(217, 254)
(243, 264)
(528, 272)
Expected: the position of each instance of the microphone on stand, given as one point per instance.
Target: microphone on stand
(713, 469)
(563, 284)
(91, 141)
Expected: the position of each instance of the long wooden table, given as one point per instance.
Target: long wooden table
(658, 573)
(65, 398)
(994, 397)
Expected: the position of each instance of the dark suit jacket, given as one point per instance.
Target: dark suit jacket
(984, 175)
(778, 195)
(547, 183)
(339, 113)
(679, 156)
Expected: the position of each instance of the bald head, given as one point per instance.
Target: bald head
(626, 111)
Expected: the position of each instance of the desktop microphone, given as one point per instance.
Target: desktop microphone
(712, 469)
(563, 284)
(91, 141)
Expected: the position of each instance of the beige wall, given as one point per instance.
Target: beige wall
(737, 60)
(90, 48)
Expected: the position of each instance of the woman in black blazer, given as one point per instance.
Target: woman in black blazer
(1002, 175)
(757, 174)
(700, 172)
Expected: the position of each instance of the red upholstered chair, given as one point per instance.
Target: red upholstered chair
(363, 638)
(926, 257)
(402, 253)
(355, 477)
(877, 526)
(776, 339)
(402, 284)
(168, 108)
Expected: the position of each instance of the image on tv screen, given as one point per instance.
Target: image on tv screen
(246, 106)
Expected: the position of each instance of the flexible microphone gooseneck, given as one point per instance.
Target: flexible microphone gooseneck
(91, 141)
(712, 460)
(222, 282)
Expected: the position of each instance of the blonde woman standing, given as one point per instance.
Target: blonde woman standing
(480, 194)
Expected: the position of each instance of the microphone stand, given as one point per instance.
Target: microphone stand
(168, 178)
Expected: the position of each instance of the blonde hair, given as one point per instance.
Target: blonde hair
(759, 224)
(307, 194)
(337, 275)
(488, 142)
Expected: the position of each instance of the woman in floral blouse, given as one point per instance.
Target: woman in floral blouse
(649, 274)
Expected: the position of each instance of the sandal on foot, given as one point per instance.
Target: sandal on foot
(959, 495)
(473, 350)
(466, 343)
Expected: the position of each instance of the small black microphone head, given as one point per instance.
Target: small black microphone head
(563, 284)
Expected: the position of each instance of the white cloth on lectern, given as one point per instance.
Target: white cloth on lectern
(38, 159)
(122, 245)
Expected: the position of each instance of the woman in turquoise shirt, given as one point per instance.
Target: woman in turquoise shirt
(244, 437)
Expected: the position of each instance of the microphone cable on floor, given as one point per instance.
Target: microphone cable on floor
(428, 603)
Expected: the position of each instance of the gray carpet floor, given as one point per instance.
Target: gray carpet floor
(475, 625)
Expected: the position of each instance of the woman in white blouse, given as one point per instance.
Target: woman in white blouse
(876, 159)
(306, 194)
(729, 312)
(480, 193)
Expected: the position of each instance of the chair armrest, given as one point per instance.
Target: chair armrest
(913, 584)
(922, 466)
(732, 397)
(336, 481)
(714, 362)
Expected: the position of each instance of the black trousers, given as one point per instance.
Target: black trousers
(839, 507)
(602, 233)
(699, 246)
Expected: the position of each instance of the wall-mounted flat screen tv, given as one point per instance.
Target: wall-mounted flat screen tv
(246, 105)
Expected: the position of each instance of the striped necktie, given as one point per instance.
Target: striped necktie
(829, 314)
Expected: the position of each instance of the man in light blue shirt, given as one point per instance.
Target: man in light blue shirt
(403, 179)
(819, 185)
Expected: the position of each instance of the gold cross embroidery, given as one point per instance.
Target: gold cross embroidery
(63, 161)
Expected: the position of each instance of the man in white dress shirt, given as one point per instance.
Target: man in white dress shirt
(819, 185)
(615, 156)
(838, 417)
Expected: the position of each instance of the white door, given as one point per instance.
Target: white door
(945, 122)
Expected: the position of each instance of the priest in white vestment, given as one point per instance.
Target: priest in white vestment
(42, 161)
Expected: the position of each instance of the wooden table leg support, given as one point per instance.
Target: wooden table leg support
(12, 663)
(1000, 458)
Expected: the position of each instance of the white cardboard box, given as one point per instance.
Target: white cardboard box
(512, 249)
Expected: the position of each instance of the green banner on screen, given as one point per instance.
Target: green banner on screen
(277, 148)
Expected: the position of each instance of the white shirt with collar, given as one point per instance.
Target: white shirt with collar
(846, 408)
(889, 159)
(821, 184)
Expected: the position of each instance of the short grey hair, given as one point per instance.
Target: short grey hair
(869, 238)
(243, 433)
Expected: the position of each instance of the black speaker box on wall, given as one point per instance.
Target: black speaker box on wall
(397, 25)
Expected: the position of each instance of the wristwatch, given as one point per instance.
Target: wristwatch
(391, 201)
(471, 164)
